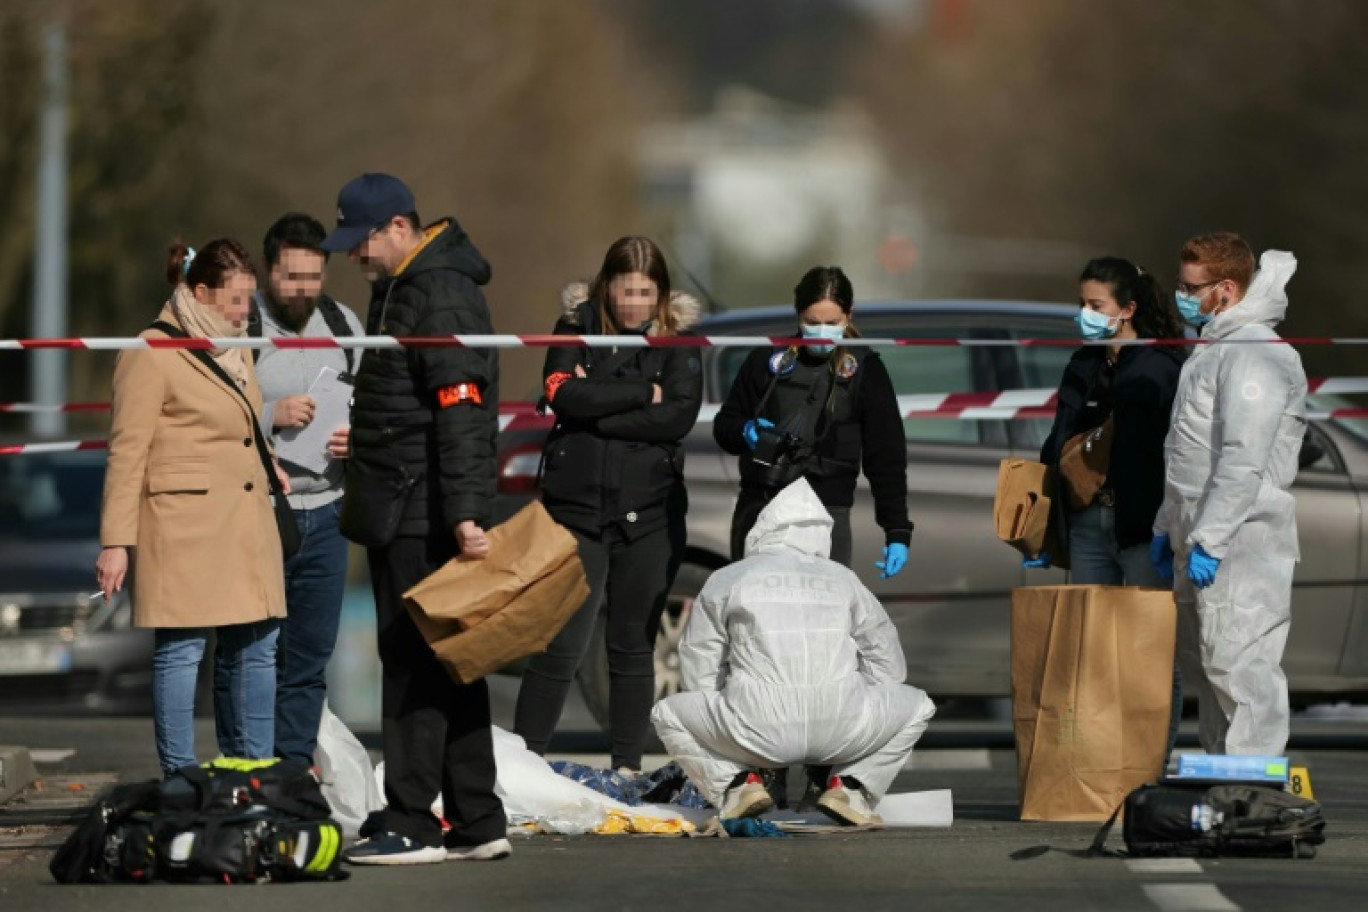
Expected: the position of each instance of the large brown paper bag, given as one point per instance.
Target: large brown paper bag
(1092, 684)
(1021, 510)
(479, 615)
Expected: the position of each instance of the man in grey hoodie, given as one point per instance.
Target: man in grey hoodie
(292, 304)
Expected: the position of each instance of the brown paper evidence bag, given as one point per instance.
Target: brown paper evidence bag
(1092, 681)
(479, 615)
(1022, 508)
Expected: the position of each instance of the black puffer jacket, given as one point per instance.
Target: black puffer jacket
(866, 431)
(395, 411)
(1141, 391)
(614, 459)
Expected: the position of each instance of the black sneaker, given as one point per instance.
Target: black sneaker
(392, 849)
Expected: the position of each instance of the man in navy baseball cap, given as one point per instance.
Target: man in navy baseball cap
(417, 500)
(365, 205)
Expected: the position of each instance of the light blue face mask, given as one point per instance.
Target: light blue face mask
(1190, 309)
(823, 331)
(1094, 326)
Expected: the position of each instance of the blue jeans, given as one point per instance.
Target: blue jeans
(1095, 559)
(315, 580)
(244, 684)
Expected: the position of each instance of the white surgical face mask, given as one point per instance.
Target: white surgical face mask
(1094, 326)
(1190, 308)
(834, 332)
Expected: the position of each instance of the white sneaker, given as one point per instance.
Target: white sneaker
(749, 799)
(489, 851)
(847, 806)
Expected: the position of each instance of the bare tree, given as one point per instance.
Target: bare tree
(202, 120)
(1127, 125)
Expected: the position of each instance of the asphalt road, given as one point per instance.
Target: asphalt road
(964, 867)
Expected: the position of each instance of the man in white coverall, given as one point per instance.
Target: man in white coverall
(1228, 529)
(788, 658)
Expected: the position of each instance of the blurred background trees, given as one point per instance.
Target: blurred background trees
(935, 147)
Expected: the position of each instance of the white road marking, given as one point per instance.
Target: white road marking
(1163, 866)
(974, 759)
(1189, 898)
(52, 755)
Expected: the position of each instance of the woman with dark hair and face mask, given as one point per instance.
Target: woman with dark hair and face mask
(1132, 386)
(823, 412)
(1124, 392)
(614, 468)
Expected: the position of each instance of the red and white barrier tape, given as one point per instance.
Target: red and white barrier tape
(526, 418)
(541, 340)
(951, 403)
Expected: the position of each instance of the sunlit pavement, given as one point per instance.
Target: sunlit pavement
(965, 867)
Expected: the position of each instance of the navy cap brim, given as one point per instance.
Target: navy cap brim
(344, 237)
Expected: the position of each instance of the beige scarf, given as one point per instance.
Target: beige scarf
(203, 323)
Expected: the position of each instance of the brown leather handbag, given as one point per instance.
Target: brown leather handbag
(1084, 463)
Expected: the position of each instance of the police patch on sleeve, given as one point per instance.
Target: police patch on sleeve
(783, 362)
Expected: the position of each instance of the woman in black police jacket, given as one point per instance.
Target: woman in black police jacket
(822, 412)
(1108, 540)
(614, 476)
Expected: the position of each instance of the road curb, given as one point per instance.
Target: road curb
(16, 771)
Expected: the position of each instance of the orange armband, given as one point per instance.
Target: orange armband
(457, 393)
(554, 382)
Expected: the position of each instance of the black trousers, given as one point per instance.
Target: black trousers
(750, 502)
(435, 732)
(633, 579)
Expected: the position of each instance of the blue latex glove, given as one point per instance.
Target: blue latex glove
(751, 432)
(895, 558)
(1161, 555)
(1202, 568)
(1037, 563)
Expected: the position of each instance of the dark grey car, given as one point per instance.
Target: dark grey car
(61, 649)
(951, 603)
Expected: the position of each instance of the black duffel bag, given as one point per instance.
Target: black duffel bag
(230, 821)
(1216, 820)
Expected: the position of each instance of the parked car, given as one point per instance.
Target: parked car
(62, 648)
(951, 604)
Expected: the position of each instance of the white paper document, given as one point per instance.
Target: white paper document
(307, 447)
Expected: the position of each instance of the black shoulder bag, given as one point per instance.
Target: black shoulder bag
(285, 520)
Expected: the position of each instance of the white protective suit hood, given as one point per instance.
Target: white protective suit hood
(794, 519)
(1265, 303)
(788, 658)
(1231, 458)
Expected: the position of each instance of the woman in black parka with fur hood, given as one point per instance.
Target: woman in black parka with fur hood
(614, 475)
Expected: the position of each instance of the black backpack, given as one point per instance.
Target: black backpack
(233, 821)
(1216, 820)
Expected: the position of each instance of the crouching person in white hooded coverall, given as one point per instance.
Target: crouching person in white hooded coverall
(1227, 532)
(787, 659)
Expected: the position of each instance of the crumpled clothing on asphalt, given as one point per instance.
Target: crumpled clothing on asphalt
(667, 785)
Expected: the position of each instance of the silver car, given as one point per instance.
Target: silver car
(951, 603)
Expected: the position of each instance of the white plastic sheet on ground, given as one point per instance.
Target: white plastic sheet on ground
(345, 772)
(532, 792)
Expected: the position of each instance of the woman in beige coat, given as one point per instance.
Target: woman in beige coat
(186, 493)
